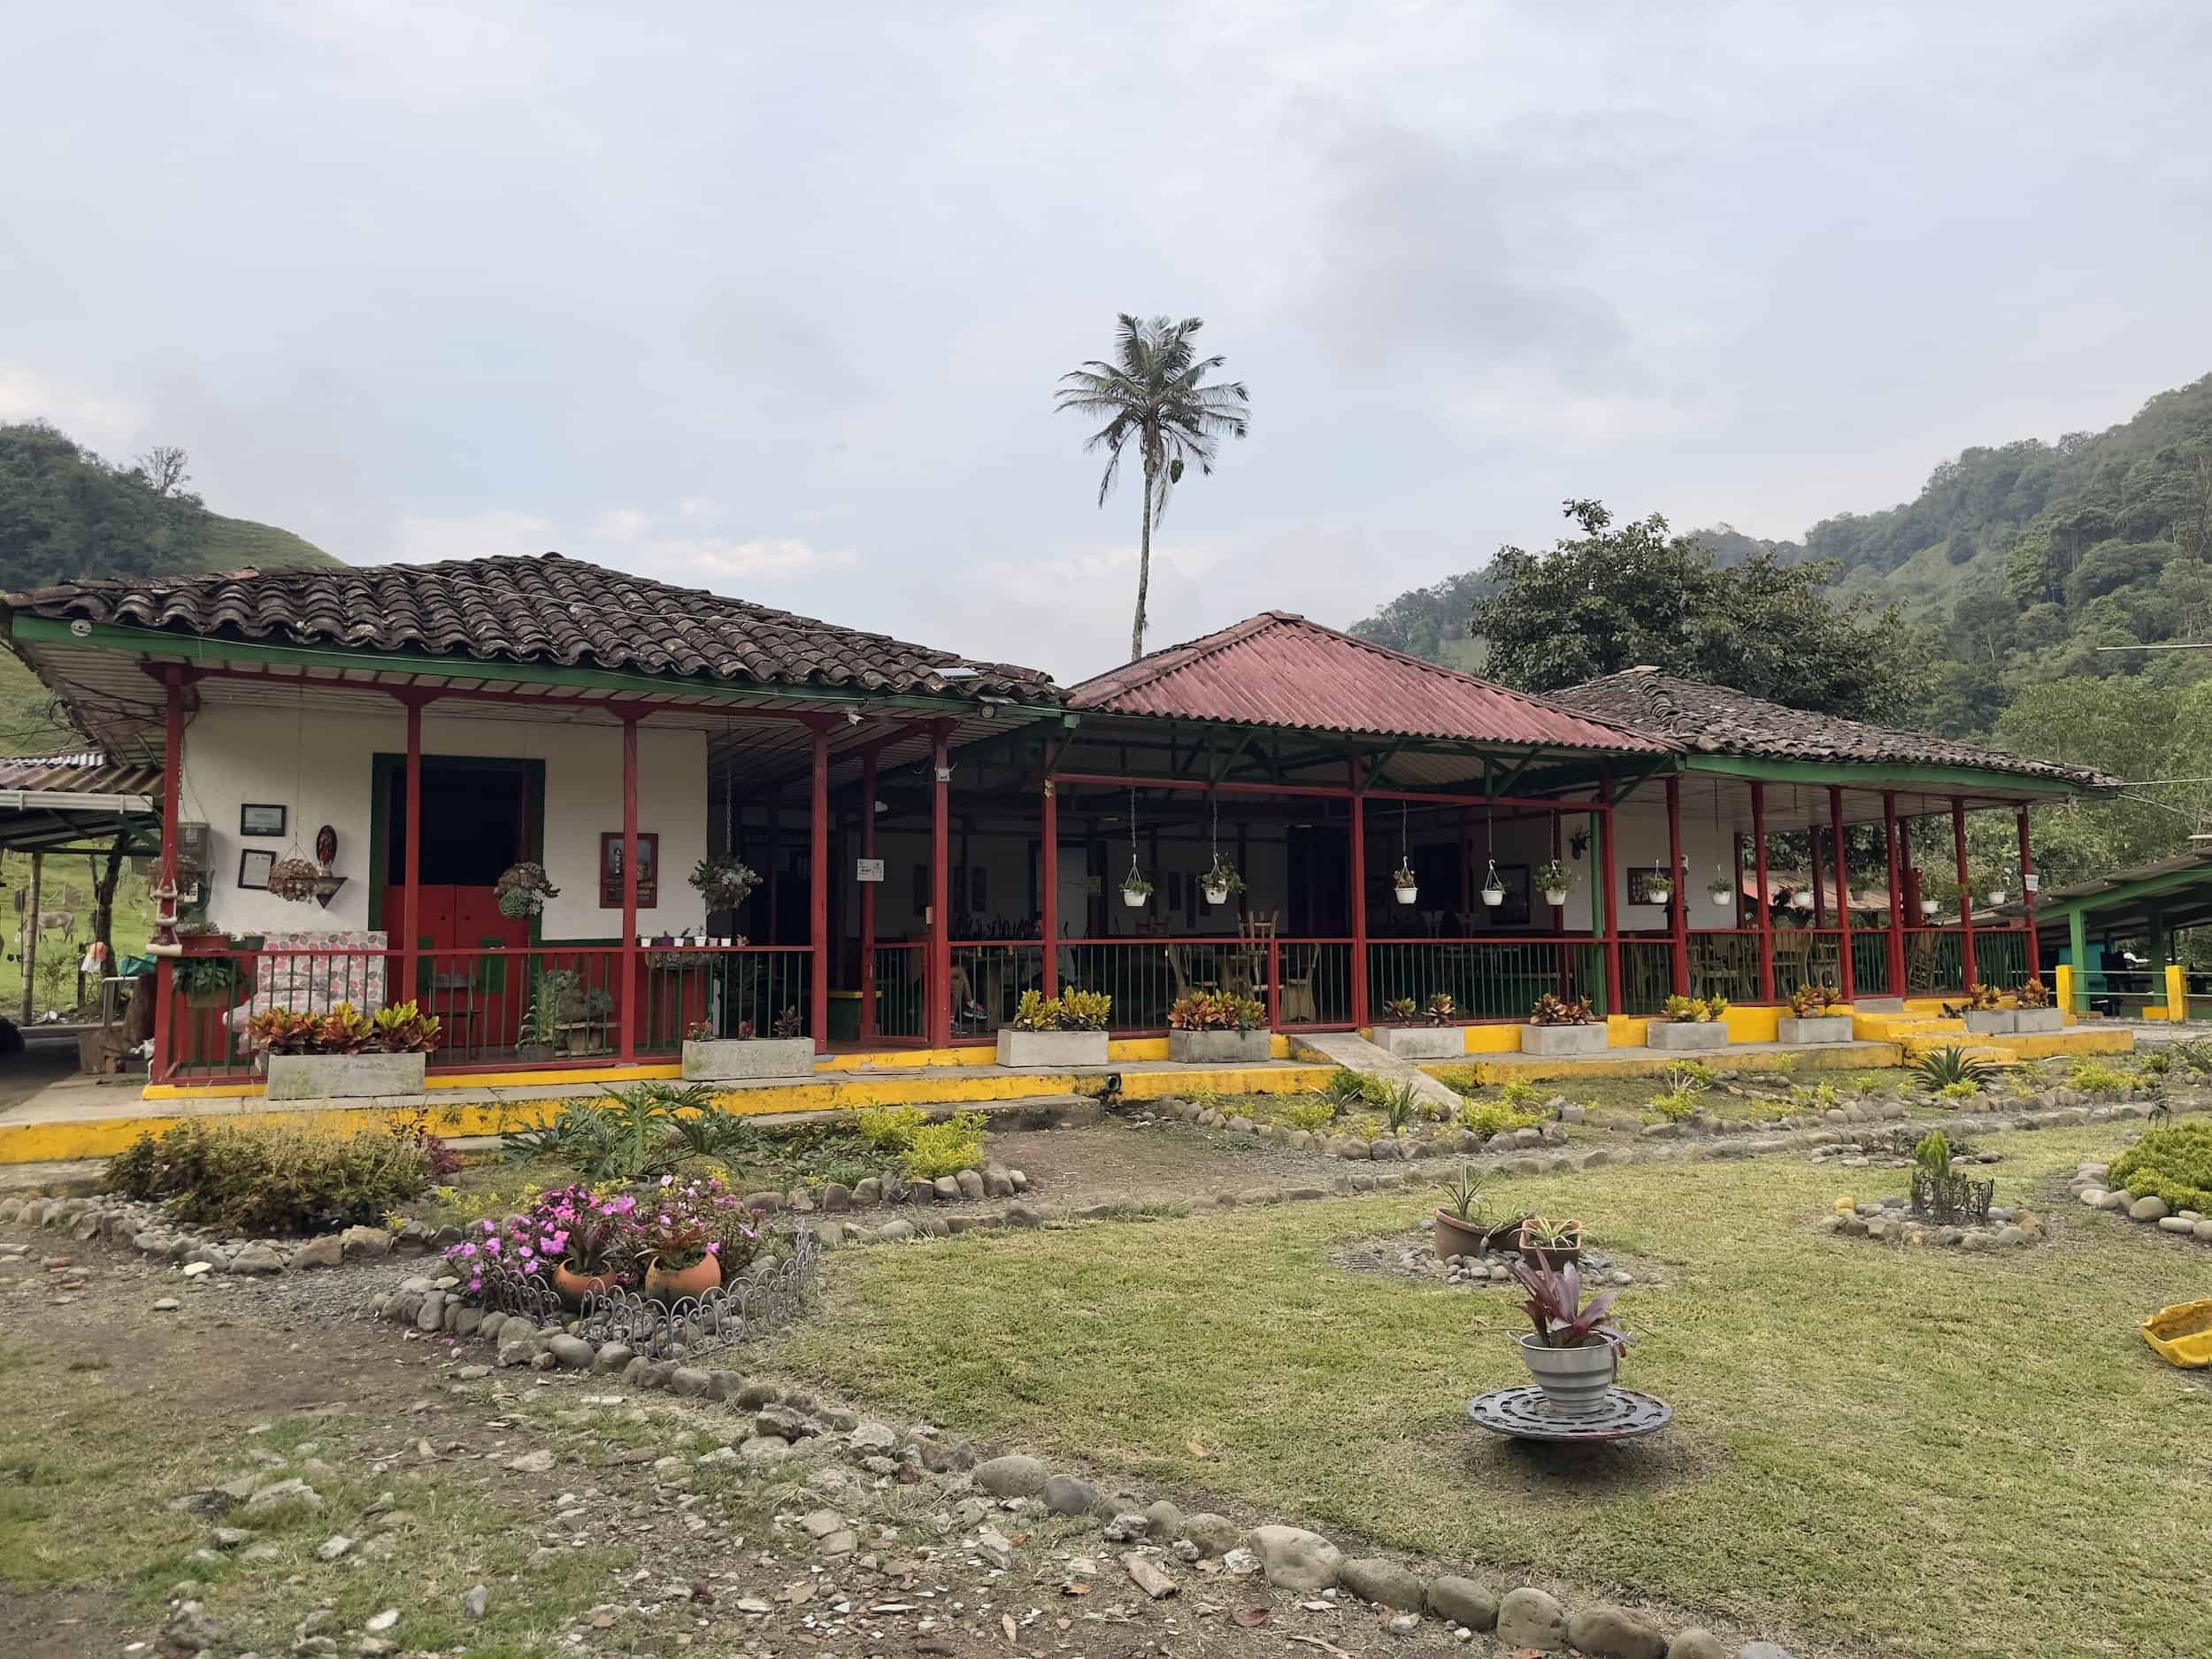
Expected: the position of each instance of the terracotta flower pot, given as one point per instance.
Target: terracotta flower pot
(574, 1286)
(695, 1281)
(1454, 1237)
(1552, 1256)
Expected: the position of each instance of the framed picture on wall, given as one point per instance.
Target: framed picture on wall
(260, 820)
(254, 865)
(1514, 913)
(649, 868)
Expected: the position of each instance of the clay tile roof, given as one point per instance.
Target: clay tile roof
(1277, 669)
(533, 610)
(1714, 720)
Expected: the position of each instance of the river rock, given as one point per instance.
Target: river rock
(1214, 1534)
(1382, 1581)
(1294, 1559)
(1529, 1618)
(572, 1352)
(1012, 1476)
(1612, 1632)
(1462, 1602)
(1065, 1494)
(2148, 1208)
(1696, 1643)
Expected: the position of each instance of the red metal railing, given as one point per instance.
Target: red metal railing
(1487, 979)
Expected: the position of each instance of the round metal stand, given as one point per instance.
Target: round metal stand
(1526, 1415)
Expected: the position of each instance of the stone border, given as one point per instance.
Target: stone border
(1888, 1221)
(2088, 1186)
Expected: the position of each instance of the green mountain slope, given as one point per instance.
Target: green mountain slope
(66, 514)
(2023, 559)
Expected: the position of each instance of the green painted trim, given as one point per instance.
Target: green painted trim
(154, 642)
(2113, 898)
(1855, 775)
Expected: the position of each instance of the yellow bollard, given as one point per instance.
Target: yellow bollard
(2177, 992)
(2062, 991)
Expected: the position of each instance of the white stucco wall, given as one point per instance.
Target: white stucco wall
(319, 764)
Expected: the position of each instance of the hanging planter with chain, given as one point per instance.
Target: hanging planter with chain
(1403, 882)
(1221, 879)
(1135, 888)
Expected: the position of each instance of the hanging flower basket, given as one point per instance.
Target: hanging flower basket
(1723, 889)
(1220, 881)
(522, 890)
(1997, 895)
(723, 882)
(1801, 899)
(1658, 890)
(1493, 887)
(1553, 881)
(1929, 907)
(1135, 890)
(1405, 884)
(294, 880)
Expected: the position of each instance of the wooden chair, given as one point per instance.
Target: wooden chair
(1178, 966)
(1296, 1002)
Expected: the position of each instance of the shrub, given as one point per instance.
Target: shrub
(1346, 1087)
(2174, 1163)
(1933, 1153)
(945, 1148)
(629, 1135)
(1309, 1112)
(1698, 1009)
(891, 1128)
(1496, 1118)
(2093, 1077)
(1942, 1070)
(1071, 1010)
(1400, 1103)
(1519, 1094)
(272, 1180)
(1676, 1104)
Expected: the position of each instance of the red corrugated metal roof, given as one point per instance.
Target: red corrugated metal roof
(1277, 669)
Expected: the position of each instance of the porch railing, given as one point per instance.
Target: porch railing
(1306, 982)
(552, 1004)
(1495, 978)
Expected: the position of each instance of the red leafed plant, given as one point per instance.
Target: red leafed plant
(1556, 1307)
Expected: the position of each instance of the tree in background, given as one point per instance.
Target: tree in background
(163, 467)
(1154, 395)
(1629, 595)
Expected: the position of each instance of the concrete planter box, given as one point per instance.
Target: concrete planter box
(1688, 1034)
(1992, 1022)
(1563, 1039)
(728, 1059)
(1218, 1048)
(2038, 1019)
(1422, 1042)
(343, 1076)
(1053, 1047)
(1815, 1028)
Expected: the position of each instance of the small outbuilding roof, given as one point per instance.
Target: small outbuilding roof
(50, 801)
(545, 609)
(1278, 668)
(1715, 720)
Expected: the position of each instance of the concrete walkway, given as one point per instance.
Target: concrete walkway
(1355, 1053)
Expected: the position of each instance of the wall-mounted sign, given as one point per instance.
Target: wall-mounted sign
(867, 869)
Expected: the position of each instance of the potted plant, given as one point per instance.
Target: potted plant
(1818, 1014)
(1985, 1013)
(1574, 1352)
(1930, 907)
(1552, 880)
(295, 878)
(343, 1053)
(1413, 1032)
(1492, 886)
(213, 981)
(679, 1258)
(1404, 883)
(1135, 889)
(724, 881)
(1548, 1243)
(2035, 1012)
(522, 890)
(1220, 880)
(1689, 1022)
(593, 1242)
(1724, 889)
(1995, 888)
(710, 1057)
(541, 1018)
(1563, 1025)
(1801, 899)
(1659, 886)
(1463, 1221)
(1069, 1029)
(1212, 1028)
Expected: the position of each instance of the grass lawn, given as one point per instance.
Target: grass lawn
(1874, 1450)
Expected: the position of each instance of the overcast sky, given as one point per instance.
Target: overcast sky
(770, 299)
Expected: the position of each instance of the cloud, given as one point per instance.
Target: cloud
(495, 532)
(771, 558)
(99, 421)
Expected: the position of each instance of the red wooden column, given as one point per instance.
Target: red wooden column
(1966, 894)
(939, 975)
(1896, 895)
(1759, 882)
(1359, 895)
(633, 1015)
(172, 786)
(1602, 905)
(817, 893)
(1844, 975)
(1679, 922)
(1048, 892)
(2027, 902)
(410, 901)
(868, 896)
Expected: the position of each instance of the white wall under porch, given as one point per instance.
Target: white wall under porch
(319, 764)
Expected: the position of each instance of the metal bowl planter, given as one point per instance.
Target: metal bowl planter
(1576, 1380)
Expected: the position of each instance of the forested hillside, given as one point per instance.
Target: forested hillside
(2022, 559)
(65, 514)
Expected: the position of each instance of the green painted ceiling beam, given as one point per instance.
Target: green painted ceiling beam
(1873, 774)
(2126, 894)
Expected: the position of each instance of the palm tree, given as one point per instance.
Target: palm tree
(1153, 396)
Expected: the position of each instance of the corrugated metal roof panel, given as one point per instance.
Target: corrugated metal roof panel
(75, 774)
(1276, 669)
